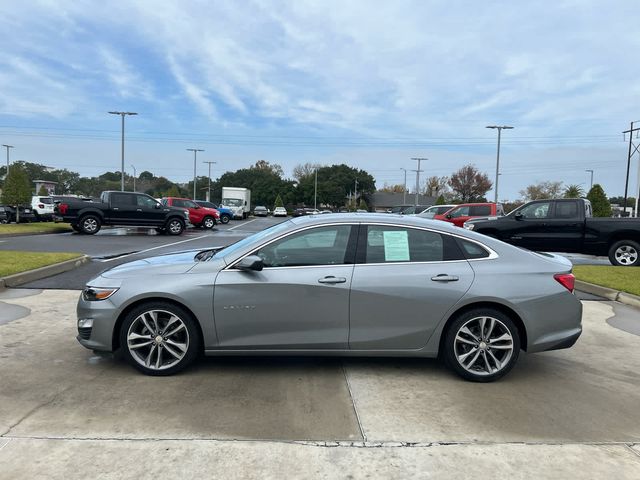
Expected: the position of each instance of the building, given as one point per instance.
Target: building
(383, 201)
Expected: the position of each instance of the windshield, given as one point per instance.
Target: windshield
(256, 237)
(232, 202)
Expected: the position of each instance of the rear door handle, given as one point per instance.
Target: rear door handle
(444, 278)
(331, 279)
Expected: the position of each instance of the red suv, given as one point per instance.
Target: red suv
(465, 211)
(199, 216)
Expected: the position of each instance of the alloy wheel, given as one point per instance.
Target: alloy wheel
(90, 225)
(483, 346)
(626, 255)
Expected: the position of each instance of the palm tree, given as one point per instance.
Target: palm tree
(573, 191)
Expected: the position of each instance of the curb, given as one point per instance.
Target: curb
(43, 272)
(609, 293)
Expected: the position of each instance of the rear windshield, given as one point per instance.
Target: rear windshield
(45, 200)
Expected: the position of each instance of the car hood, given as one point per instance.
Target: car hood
(170, 264)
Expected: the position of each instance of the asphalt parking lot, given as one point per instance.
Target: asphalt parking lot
(66, 412)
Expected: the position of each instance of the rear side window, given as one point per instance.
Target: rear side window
(45, 200)
(123, 199)
(390, 244)
(480, 210)
(472, 250)
(568, 210)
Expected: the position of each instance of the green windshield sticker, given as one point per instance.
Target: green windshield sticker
(396, 246)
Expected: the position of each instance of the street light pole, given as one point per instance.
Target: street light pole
(418, 177)
(499, 128)
(591, 185)
(209, 189)
(195, 154)
(8, 147)
(315, 190)
(404, 192)
(134, 177)
(122, 114)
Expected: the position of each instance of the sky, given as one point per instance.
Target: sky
(368, 83)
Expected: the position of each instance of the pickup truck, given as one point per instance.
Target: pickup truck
(565, 225)
(464, 212)
(121, 209)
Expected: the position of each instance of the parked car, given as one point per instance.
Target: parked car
(4, 215)
(121, 209)
(566, 225)
(434, 210)
(199, 216)
(466, 211)
(279, 212)
(478, 302)
(26, 214)
(42, 207)
(260, 211)
(300, 212)
(225, 213)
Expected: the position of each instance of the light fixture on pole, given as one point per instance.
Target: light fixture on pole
(8, 147)
(499, 128)
(404, 192)
(195, 154)
(591, 185)
(122, 114)
(134, 177)
(209, 188)
(418, 159)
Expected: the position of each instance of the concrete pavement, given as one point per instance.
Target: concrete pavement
(68, 413)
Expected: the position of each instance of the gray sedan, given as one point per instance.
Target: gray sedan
(350, 285)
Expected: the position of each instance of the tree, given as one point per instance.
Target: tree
(398, 188)
(302, 170)
(631, 201)
(278, 202)
(599, 202)
(441, 200)
(334, 185)
(172, 192)
(265, 166)
(469, 185)
(43, 192)
(542, 190)
(363, 205)
(17, 190)
(573, 191)
(436, 186)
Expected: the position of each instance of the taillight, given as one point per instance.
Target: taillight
(40, 205)
(567, 280)
(62, 208)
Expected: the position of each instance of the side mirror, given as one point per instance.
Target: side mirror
(158, 205)
(518, 216)
(251, 262)
(449, 216)
(196, 206)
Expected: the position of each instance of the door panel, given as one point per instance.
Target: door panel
(291, 307)
(123, 208)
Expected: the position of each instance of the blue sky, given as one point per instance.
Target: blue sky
(367, 83)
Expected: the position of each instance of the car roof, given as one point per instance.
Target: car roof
(385, 218)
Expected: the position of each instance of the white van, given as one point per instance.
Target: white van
(42, 207)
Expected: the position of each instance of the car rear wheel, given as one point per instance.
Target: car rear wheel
(89, 224)
(208, 222)
(625, 253)
(159, 338)
(224, 218)
(175, 226)
(75, 228)
(481, 345)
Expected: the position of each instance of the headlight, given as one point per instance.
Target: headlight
(468, 226)
(94, 294)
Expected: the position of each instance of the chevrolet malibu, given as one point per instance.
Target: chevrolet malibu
(350, 285)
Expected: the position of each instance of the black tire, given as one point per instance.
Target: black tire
(208, 223)
(224, 218)
(75, 228)
(625, 253)
(89, 224)
(487, 363)
(188, 337)
(174, 226)
(161, 231)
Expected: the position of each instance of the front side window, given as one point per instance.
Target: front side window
(389, 244)
(459, 212)
(316, 246)
(536, 210)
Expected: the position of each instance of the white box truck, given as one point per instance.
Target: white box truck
(238, 200)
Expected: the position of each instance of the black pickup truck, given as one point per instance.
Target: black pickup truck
(565, 225)
(121, 209)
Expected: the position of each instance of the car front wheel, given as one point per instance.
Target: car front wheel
(208, 223)
(481, 345)
(175, 227)
(224, 219)
(159, 338)
(625, 253)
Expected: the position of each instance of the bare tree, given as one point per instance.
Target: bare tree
(469, 185)
(436, 186)
(398, 188)
(542, 190)
(304, 170)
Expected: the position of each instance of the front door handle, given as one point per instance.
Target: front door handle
(332, 280)
(138, 209)
(444, 278)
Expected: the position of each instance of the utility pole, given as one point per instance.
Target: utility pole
(122, 114)
(134, 177)
(591, 171)
(503, 127)
(418, 159)
(195, 154)
(626, 183)
(404, 192)
(8, 147)
(209, 189)
(315, 190)
(355, 195)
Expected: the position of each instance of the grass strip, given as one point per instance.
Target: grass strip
(624, 279)
(36, 227)
(12, 261)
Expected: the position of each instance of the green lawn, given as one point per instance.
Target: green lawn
(624, 279)
(12, 261)
(36, 227)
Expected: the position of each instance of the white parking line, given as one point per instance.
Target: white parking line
(154, 248)
(242, 224)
